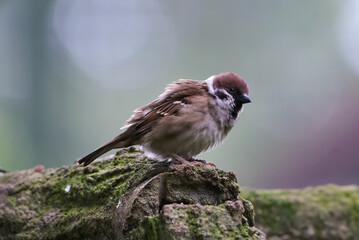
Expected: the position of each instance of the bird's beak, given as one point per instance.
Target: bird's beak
(244, 98)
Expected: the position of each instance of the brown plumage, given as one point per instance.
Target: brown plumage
(182, 121)
(146, 117)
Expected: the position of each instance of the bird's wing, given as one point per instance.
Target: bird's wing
(175, 95)
(145, 118)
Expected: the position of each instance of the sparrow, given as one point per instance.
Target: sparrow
(188, 118)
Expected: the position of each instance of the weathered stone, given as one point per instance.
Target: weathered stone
(188, 221)
(324, 212)
(126, 196)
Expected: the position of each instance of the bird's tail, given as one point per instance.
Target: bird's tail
(89, 158)
(123, 140)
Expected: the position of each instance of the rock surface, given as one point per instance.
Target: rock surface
(318, 213)
(126, 196)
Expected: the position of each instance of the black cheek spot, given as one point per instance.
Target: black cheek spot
(221, 95)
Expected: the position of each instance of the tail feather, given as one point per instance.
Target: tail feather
(125, 139)
(98, 152)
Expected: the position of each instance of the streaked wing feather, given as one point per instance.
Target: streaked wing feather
(144, 118)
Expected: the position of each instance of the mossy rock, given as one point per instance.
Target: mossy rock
(318, 213)
(124, 196)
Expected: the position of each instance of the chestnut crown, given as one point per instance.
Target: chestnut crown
(230, 81)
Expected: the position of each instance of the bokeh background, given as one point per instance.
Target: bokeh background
(72, 71)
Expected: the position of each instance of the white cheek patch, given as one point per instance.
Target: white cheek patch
(225, 105)
(209, 82)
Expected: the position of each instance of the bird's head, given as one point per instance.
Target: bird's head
(231, 88)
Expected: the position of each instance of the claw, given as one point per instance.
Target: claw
(211, 164)
(203, 162)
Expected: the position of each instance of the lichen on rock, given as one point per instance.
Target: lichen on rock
(323, 212)
(125, 196)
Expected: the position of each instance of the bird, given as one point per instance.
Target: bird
(189, 117)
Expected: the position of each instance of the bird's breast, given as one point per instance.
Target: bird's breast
(187, 134)
(221, 111)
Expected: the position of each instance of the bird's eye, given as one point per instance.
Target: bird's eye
(231, 89)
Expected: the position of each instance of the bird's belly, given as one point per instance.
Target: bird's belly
(185, 139)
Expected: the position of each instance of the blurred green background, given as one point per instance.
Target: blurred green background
(72, 71)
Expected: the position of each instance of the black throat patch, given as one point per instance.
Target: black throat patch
(237, 105)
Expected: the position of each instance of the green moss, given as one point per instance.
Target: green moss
(11, 200)
(276, 211)
(214, 222)
(283, 212)
(91, 190)
(152, 228)
(81, 201)
(249, 211)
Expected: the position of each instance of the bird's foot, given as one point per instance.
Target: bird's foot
(202, 162)
(191, 161)
(180, 159)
